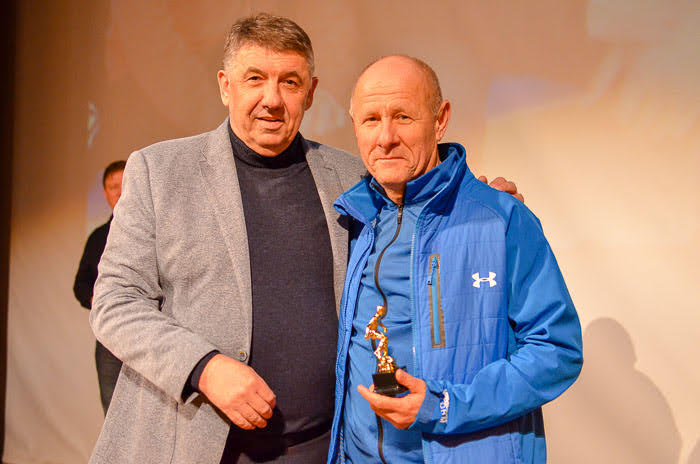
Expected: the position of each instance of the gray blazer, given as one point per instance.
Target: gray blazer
(174, 284)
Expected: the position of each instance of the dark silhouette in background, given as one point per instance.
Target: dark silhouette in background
(7, 98)
(623, 417)
(108, 365)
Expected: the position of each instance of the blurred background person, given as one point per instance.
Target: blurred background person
(108, 365)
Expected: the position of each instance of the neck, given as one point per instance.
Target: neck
(395, 193)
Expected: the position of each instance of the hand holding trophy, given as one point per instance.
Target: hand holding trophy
(385, 379)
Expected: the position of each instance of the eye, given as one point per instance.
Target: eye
(403, 117)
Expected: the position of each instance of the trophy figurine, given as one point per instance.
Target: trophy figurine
(385, 379)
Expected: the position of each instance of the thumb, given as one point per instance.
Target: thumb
(408, 381)
(483, 179)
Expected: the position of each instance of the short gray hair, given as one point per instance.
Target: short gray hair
(269, 31)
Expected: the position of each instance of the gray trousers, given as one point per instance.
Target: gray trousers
(108, 367)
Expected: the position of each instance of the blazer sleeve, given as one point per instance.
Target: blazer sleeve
(126, 311)
(546, 348)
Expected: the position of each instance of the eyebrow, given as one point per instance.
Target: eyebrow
(292, 74)
(254, 70)
(260, 71)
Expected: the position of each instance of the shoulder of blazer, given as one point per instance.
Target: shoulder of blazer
(184, 154)
(348, 167)
(194, 144)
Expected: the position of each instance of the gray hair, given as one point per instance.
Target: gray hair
(273, 32)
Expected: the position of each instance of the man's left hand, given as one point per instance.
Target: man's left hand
(499, 183)
(401, 412)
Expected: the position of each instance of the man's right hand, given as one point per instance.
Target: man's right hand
(238, 391)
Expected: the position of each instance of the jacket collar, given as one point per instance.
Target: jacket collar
(363, 201)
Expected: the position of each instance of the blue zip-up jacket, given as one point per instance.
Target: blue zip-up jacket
(495, 333)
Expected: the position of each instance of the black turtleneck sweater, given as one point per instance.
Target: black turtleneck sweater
(294, 316)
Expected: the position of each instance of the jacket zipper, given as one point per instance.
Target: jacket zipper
(342, 354)
(380, 428)
(437, 318)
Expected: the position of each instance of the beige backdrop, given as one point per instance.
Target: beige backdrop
(590, 105)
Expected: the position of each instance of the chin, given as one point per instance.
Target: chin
(391, 178)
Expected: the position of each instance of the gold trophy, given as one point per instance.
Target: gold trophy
(385, 379)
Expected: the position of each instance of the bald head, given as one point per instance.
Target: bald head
(403, 64)
(399, 117)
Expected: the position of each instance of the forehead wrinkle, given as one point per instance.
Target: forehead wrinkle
(393, 101)
(387, 98)
(383, 85)
(410, 74)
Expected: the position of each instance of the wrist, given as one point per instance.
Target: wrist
(208, 372)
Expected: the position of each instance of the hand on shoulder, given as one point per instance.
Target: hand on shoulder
(500, 183)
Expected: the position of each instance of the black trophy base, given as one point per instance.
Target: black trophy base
(386, 384)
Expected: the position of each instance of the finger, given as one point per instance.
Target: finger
(266, 393)
(379, 403)
(407, 380)
(260, 406)
(520, 197)
(499, 183)
(483, 179)
(239, 420)
(252, 416)
(375, 400)
(365, 392)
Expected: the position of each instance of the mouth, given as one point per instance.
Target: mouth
(270, 124)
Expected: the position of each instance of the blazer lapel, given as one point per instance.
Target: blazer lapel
(329, 189)
(223, 191)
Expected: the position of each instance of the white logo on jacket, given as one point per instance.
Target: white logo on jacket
(491, 279)
(444, 407)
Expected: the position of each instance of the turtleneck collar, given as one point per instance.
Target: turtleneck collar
(293, 154)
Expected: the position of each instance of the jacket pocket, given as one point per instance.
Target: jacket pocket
(437, 317)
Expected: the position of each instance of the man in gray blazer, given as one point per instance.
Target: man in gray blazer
(223, 271)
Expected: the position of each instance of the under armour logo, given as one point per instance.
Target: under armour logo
(491, 279)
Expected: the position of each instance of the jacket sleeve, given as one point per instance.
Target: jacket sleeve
(86, 275)
(545, 357)
(126, 315)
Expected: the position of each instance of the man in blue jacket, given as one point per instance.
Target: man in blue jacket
(477, 312)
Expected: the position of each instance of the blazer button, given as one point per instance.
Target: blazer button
(242, 355)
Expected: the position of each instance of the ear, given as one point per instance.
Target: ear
(443, 118)
(310, 95)
(224, 85)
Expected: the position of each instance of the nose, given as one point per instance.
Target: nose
(388, 136)
(271, 96)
